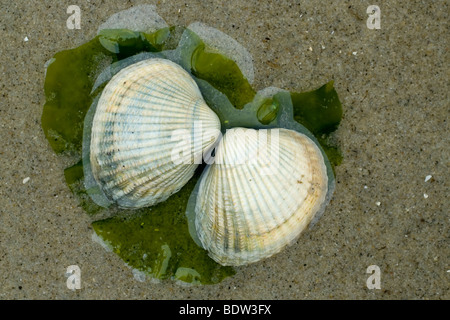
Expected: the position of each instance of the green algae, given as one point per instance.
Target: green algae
(156, 240)
(68, 83)
(219, 71)
(223, 74)
(320, 110)
(75, 180)
(268, 110)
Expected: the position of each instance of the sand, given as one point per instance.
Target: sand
(393, 84)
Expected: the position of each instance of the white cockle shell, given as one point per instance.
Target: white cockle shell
(261, 192)
(144, 115)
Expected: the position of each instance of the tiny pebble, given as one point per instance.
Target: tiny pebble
(354, 53)
(25, 39)
(425, 195)
(365, 187)
(26, 180)
(378, 203)
(428, 177)
(310, 49)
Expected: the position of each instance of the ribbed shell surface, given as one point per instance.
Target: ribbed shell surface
(132, 139)
(248, 210)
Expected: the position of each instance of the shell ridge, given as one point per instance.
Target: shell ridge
(175, 79)
(248, 244)
(179, 88)
(122, 145)
(257, 187)
(232, 182)
(201, 207)
(169, 183)
(210, 222)
(228, 237)
(173, 101)
(140, 189)
(254, 212)
(228, 221)
(143, 166)
(116, 159)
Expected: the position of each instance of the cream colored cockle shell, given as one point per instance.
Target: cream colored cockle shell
(138, 121)
(251, 204)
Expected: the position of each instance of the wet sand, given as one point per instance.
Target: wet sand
(392, 82)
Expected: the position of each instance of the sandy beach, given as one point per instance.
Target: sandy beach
(390, 206)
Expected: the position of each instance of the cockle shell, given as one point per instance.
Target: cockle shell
(249, 208)
(132, 141)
